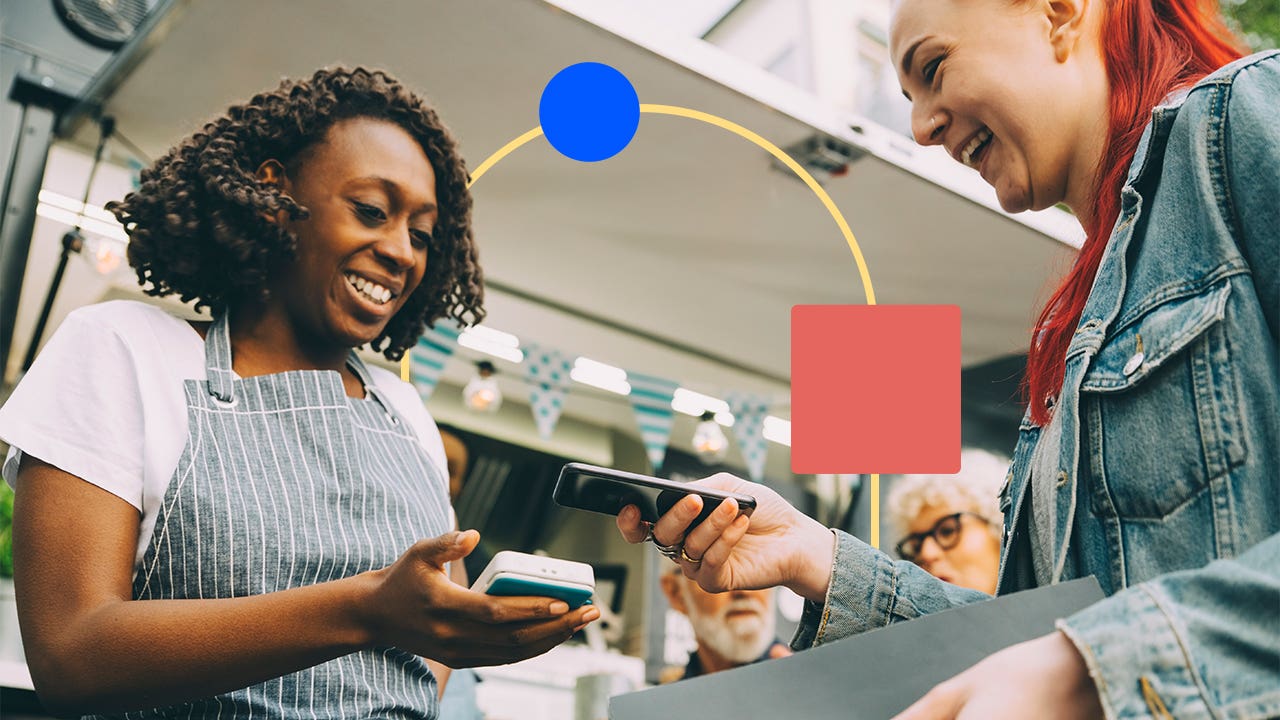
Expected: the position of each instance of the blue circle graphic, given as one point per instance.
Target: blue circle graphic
(589, 112)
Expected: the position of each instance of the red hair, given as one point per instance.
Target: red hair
(1151, 48)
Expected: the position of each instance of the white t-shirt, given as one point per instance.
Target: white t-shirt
(104, 401)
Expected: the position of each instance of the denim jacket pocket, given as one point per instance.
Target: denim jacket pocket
(1159, 404)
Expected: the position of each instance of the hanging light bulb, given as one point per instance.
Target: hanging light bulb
(103, 253)
(709, 441)
(481, 393)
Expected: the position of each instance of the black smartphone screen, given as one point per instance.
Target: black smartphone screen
(607, 491)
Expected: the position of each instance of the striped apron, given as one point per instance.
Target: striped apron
(285, 482)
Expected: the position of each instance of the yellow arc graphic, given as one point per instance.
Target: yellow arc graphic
(782, 157)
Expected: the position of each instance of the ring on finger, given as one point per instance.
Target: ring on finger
(684, 555)
(671, 551)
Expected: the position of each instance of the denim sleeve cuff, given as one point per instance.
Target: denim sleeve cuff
(1151, 677)
(859, 597)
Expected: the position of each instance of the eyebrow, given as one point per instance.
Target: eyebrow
(907, 57)
(393, 188)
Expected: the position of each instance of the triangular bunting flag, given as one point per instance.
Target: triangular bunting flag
(651, 401)
(427, 358)
(547, 370)
(749, 412)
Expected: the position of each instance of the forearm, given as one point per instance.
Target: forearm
(142, 654)
(868, 590)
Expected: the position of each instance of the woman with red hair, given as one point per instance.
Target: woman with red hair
(1150, 450)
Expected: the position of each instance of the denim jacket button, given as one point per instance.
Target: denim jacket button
(1134, 363)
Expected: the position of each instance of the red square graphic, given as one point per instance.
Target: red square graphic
(875, 389)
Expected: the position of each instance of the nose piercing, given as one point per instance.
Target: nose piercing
(933, 122)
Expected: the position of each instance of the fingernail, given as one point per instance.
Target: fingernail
(590, 615)
(559, 608)
(458, 537)
(628, 513)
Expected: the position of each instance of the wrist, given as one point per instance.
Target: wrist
(1075, 672)
(815, 557)
(362, 622)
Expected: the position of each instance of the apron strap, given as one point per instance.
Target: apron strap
(217, 359)
(221, 378)
(366, 379)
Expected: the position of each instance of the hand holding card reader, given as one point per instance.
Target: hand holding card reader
(605, 490)
(520, 574)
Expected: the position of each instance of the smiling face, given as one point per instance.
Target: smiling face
(1016, 90)
(362, 251)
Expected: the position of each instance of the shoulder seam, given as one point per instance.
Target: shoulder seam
(1219, 154)
(1227, 74)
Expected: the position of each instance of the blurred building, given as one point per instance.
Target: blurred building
(835, 49)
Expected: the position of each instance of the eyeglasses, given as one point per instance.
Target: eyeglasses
(945, 532)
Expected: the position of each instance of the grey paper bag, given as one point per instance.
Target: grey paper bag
(872, 676)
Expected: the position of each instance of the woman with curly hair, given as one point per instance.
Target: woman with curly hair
(240, 517)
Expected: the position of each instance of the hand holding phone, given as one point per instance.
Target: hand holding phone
(779, 545)
(512, 573)
(605, 490)
(412, 604)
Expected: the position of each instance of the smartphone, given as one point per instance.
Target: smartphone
(512, 573)
(605, 490)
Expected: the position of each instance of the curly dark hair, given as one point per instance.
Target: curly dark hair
(198, 223)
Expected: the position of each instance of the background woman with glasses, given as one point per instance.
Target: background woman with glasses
(950, 524)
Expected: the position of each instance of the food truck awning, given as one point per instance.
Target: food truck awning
(686, 252)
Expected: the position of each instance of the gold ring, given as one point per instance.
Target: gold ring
(685, 556)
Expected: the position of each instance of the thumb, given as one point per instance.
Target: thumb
(943, 702)
(442, 550)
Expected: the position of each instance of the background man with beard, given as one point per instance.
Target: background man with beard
(732, 629)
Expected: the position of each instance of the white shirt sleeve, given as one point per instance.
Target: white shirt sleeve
(79, 408)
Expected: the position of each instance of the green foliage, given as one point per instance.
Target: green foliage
(1257, 21)
(6, 530)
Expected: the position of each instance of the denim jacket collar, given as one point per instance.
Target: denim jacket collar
(1157, 130)
(1102, 307)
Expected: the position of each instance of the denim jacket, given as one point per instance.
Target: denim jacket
(1164, 472)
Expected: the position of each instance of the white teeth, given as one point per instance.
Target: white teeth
(371, 290)
(966, 155)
